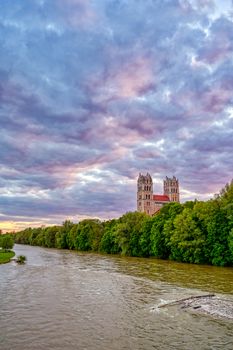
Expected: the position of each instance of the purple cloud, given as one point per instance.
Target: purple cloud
(94, 92)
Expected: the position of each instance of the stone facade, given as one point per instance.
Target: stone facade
(171, 189)
(150, 203)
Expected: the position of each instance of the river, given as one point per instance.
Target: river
(67, 300)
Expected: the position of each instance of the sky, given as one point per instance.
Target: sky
(93, 92)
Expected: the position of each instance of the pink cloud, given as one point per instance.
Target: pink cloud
(216, 99)
(217, 53)
(133, 78)
(212, 100)
(116, 137)
(127, 81)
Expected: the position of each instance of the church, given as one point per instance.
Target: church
(150, 203)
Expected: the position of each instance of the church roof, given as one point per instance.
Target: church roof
(161, 198)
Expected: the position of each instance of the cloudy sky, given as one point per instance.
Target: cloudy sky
(92, 92)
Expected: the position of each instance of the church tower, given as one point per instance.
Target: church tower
(145, 194)
(171, 189)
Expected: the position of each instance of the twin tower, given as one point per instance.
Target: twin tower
(150, 203)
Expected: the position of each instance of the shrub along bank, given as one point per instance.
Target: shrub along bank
(193, 232)
(6, 244)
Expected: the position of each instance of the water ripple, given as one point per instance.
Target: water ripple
(65, 300)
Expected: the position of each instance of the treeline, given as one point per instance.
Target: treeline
(193, 232)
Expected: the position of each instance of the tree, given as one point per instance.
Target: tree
(7, 242)
(34, 235)
(230, 244)
(50, 236)
(23, 237)
(62, 233)
(88, 235)
(145, 238)
(187, 241)
(108, 243)
(128, 231)
(60, 239)
(71, 237)
(215, 224)
(162, 229)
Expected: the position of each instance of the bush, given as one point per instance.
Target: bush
(6, 242)
(21, 259)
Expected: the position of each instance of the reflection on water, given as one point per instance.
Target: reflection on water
(66, 300)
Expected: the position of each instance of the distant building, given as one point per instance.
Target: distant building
(150, 203)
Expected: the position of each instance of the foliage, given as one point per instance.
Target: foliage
(88, 235)
(6, 242)
(187, 241)
(193, 232)
(162, 228)
(21, 259)
(108, 243)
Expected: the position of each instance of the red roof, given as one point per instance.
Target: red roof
(161, 198)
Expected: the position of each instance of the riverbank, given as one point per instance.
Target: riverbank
(6, 256)
(176, 233)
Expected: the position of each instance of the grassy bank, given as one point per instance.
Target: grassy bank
(6, 256)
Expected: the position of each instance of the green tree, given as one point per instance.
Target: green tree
(62, 233)
(230, 244)
(34, 233)
(60, 239)
(108, 243)
(145, 247)
(187, 241)
(215, 224)
(7, 242)
(71, 237)
(23, 237)
(88, 235)
(128, 231)
(162, 229)
(50, 236)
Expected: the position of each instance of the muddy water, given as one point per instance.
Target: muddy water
(65, 300)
